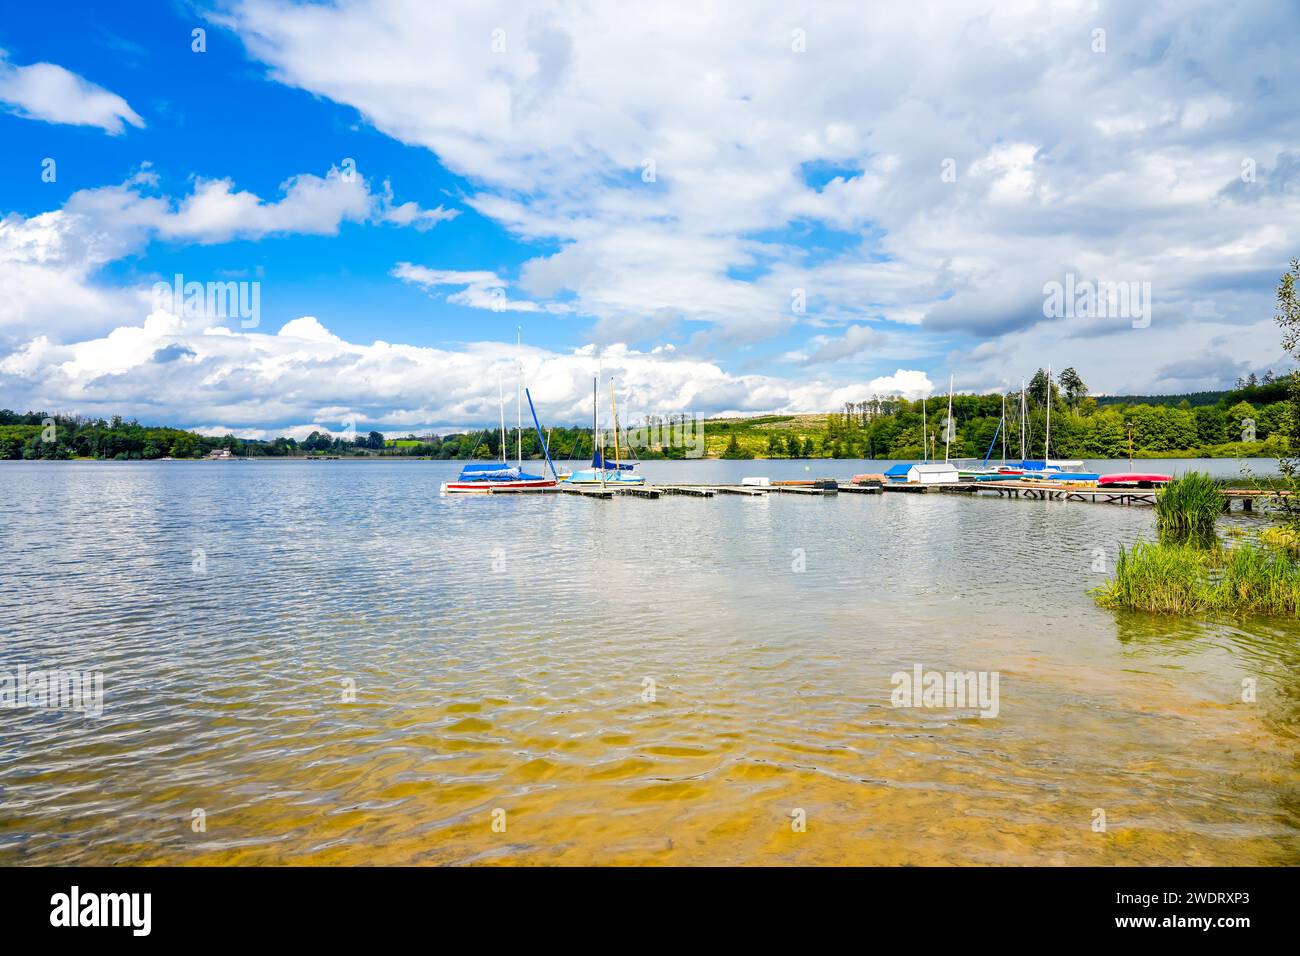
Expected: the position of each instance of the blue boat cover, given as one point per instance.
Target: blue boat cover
(596, 462)
(495, 471)
(486, 466)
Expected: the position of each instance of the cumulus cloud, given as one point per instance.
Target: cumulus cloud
(673, 176)
(46, 91)
(49, 262)
(216, 211)
(671, 171)
(177, 369)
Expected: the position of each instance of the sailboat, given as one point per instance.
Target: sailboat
(498, 477)
(985, 472)
(1047, 466)
(602, 471)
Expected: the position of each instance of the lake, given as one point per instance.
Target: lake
(328, 663)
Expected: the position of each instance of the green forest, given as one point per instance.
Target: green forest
(1249, 420)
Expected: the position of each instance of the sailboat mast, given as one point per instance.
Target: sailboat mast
(1004, 428)
(1047, 442)
(597, 451)
(947, 428)
(501, 404)
(519, 394)
(925, 434)
(1023, 416)
(613, 411)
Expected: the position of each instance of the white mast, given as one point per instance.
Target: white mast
(925, 435)
(1023, 416)
(1004, 428)
(947, 428)
(501, 403)
(519, 394)
(595, 425)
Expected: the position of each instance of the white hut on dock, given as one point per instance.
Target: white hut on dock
(933, 473)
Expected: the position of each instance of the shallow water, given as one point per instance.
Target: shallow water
(501, 647)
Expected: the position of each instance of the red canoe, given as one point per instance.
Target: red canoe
(1133, 478)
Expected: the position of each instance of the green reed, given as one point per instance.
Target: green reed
(1189, 505)
(1184, 579)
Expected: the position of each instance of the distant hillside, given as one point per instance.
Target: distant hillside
(1194, 399)
(1262, 393)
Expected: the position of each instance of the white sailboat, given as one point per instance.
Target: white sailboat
(603, 472)
(496, 477)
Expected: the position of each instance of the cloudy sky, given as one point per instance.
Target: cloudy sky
(729, 207)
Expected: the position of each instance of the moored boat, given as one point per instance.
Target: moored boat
(1133, 479)
(495, 478)
(603, 471)
(499, 477)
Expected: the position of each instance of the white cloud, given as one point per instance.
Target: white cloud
(1067, 159)
(855, 340)
(1111, 166)
(49, 262)
(410, 213)
(478, 290)
(215, 211)
(173, 369)
(46, 91)
(903, 382)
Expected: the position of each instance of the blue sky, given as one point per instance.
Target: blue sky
(216, 116)
(730, 211)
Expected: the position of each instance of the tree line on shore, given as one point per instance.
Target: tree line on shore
(1249, 420)
(38, 435)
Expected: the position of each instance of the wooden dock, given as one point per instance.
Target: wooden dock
(1028, 490)
(1050, 491)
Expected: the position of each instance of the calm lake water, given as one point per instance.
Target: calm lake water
(502, 651)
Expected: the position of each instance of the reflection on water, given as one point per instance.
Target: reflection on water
(501, 650)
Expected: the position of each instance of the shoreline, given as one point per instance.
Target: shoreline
(1150, 456)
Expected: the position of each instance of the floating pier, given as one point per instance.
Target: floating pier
(1030, 490)
(691, 491)
(582, 492)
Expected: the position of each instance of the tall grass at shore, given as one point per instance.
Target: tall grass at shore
(1180, 578)
(1189, 505)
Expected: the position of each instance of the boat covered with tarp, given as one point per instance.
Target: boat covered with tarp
(603, 471)
(495, 476)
